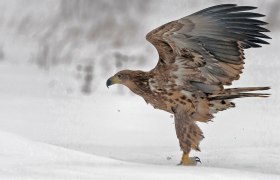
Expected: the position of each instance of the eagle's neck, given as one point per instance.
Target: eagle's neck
(139, 83)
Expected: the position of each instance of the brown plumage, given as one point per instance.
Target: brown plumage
(198, 55)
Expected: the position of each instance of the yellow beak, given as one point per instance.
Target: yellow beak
(112, 80)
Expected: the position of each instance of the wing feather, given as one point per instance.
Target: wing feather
(217, 36)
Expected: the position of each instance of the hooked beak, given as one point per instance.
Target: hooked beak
(108, 82)
(112, 80)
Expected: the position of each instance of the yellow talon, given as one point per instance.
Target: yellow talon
(189, 161)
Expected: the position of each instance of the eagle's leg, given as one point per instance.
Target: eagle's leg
(188, 133)
(189, 161)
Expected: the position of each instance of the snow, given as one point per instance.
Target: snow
(21, 158)
(49, 129)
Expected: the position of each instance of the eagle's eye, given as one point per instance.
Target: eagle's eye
(120, 76)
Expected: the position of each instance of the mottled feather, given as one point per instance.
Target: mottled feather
(187, 131)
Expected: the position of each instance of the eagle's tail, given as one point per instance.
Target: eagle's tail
(233, 93)
(222, 101)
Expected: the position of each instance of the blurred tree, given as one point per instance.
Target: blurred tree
(88, 78)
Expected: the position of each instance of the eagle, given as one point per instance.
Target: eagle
(199, 55)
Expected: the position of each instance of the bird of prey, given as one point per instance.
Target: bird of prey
(198, 55)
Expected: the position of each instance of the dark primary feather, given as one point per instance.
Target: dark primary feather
(240, 15)
(232, 10)
(244, 21)
(214, 9)
(246, 27)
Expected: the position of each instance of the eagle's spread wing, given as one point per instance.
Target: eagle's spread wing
(187, 131)
(206, 48)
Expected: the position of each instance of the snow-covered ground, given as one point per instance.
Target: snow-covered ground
(21, 158)
(49, 129)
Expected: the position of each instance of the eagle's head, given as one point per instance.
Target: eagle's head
(122, 77)
(126, 77)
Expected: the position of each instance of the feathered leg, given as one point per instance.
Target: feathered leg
(188, 133)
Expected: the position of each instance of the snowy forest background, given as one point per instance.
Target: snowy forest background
(55, 57)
